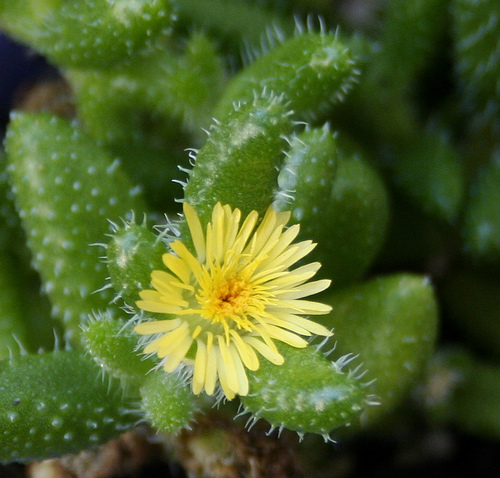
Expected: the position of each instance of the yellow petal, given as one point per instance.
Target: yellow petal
(240, 372)
(210, 257)
(247, 354)
(163, 345)
(287, 337)
(263, 232)
(157, 326)
(284, 241)
(178, 266)
(272, 355)
(217, 234)
(305, 306)
(196, 230)
(221, 370)
(231, 375)
(291, 255)
(150, 295)
(177, 353)
(210, 341)
(232, 225)
(305, 290)
(282, 217)
(273, 319)
(245, 232)
(294, 278)
(211, 369)
(162, 276)
(200, 367)
(158, 307)
(310, 325)
(191, 263)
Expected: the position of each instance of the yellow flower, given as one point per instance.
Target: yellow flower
(231, 299)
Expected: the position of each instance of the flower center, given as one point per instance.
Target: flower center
(229, 300)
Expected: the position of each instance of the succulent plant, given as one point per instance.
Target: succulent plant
(319, 153)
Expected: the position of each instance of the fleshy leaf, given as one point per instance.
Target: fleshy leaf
(338, 199)
(66, 191)
(312, 70)
(167, 401)
(308, 393)
(112, 344)
(238, 163)
(391, 322)
(132, 254)
(56, 403)
(87, 33)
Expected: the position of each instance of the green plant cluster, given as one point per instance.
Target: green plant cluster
(382, 142)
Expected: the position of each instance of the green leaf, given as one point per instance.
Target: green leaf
(167, 401)
(308, 393)
(56, 403)
(305, 180)
(132, 254)
(312, 70)
(238, 163)
(66, 191)
(340, 202)
(88, 33)
(113, 344)
(391, 322)
(150, 100)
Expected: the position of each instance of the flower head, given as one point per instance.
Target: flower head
(231, 298)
